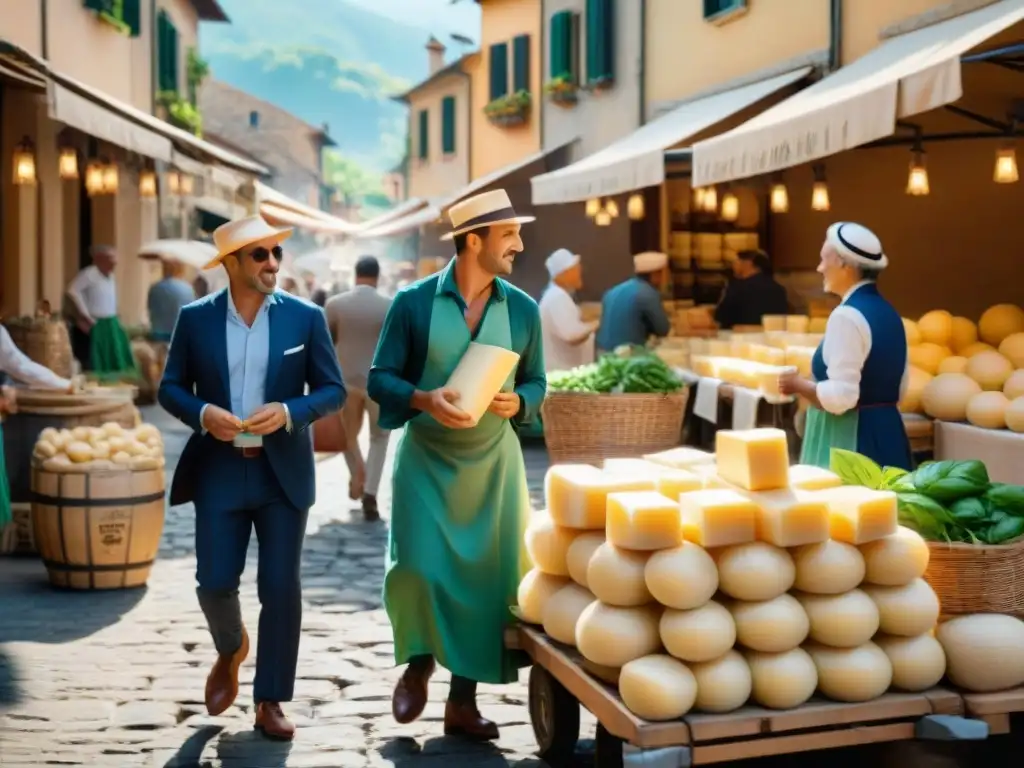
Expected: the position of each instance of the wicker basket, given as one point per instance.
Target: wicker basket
(44, 341)
(587, 428)
(974, 578)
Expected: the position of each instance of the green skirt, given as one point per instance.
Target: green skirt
(5, 487)
(110, 351)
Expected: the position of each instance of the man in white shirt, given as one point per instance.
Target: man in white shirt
(102, 341)
(567, 339)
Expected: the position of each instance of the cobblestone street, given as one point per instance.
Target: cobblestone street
(116, 679)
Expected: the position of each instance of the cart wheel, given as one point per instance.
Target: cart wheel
(555, 715)
(607, 749)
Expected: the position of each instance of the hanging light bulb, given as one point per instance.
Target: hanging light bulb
(110, 179)
(94, 178)
(819, 192)
(698, 199)
(917, 177)
(173, 182)
(710, 199)
(593, 207)
(612, 209)
(603, 219)
(147, 183)
(779, 198)
(67, 163)
(730, 207)
(186, 184)
(24, 166)
(1006, 166)
(635, 207)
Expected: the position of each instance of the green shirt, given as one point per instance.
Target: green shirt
(402, 348)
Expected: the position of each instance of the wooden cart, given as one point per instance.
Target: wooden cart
(559, 685)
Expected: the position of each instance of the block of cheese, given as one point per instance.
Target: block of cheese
(790, 518)
(673, 482)
(642, 520)
(616, 576)
(580, 551)
(907, 611)
(681, 457)
(612, 636)
(857, 515)
(828, 567)
(717, 517)
(683, 577)
(708, 473)
(701, 634)
(754, 459)
(657, 688)
(548, 544)
(851, 674)
(562, 610)
(577, 494)
(632, 466)
(771, 626)
(480, 375)
(840, 621)
(918, 663)
(754, 571)
(535, 590)
(723, 684)
(807, 477)
(782, 680)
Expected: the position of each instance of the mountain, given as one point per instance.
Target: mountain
(336, 62)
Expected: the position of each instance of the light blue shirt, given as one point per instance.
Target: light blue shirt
(630, 312)
(166, 298)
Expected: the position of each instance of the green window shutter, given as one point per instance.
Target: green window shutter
(499, 70)
(448, 125)
(424, 137)
(97, 5)
(714, 8)
(131, 14)
(561, 44)
(600, 40)
(173, 56)
(520, 63)
(162, 48)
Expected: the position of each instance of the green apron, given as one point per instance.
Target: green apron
(110, 351)
(825, 431)
(460, 506)
(5, 488)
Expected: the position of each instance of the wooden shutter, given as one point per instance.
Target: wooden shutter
(448, 125)
(131, 14)
(499, 70)
(561, 44)
(520, 63)
(600, 40)
(424, 134)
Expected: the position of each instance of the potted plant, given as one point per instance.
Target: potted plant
(512, 109)
(562, 89)
(181, 112)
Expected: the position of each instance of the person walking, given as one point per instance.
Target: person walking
(237, 371)
(460, 502)
(355, 319)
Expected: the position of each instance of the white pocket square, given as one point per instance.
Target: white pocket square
(293, 350)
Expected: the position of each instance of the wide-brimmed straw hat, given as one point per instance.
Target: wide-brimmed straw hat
(236, 235)
(483, 210)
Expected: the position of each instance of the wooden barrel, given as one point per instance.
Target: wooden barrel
(100, 529)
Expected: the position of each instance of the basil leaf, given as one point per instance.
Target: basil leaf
(1008, 528)
(947, 481)
(926, 516)
(891, 477)
(969, 511)
(855, 469)
(1006, 497)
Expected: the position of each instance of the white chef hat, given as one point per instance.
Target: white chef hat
(649, 261)
(561, 261)
(857, 245)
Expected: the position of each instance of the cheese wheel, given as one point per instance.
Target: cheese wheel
(683, 577)
(754, 571)
(954, 364)
(616, 576)
(535, 590)
(910, 610)
(700, 634)
(657, 688)
(947, 394)
(928, 356)
(917, 380)
(990, 370)
(895, 560)
(988, 410)
(975, 348)
(841, 621)
(548, 544)
(612, 636)
(851, 674)
(562, 610)
(723, 684)
(770, 626)
(577, 558)
(782, 680)
(999, 321)
(1015, 415)
(965, 333)
(1014, 386)
(918, 663)
(912, 332)
(828, 567)
(984, 651)
(936, 326)
(1012, 348)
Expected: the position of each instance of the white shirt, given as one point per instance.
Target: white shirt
(845, 349)
(19, 367)
(94, 294)
(560, 322)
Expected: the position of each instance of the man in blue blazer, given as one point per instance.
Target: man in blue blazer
(237, 370)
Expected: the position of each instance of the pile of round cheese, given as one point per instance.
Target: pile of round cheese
(966, 371)
(96, 449)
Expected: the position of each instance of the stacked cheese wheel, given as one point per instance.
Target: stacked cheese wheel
(94, 449)
(966, 371)
(699, 581)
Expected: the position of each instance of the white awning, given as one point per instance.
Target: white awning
(637, 160)
(14, 71)
(277, 208)
(402, 226)
(860, 103)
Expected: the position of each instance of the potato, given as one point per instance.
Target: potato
(135, 448)
(117, 443)
(45, 449)
(121, 457)
(101, 450)
(59, 463)
(144, 431)
(49, 434)
(144, 462)
(113, 429)
(79, 452)
(81, 434)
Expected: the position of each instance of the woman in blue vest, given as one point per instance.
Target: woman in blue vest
(859, 368)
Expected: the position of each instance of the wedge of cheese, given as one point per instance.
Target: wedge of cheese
(674, 482)
(810, 478)
(577, 494)
(480, 375)
(681, 457)
(717, 517)
(857, 515)
(643, 520)
(788, 518)
(754, 459)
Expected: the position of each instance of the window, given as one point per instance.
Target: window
(448, 125)
(254, 119)
(125, 14)
(424, 135)
(564, 58)
(721, 8)
(600, 41)
(499, 70)
(520, 63)
(167, 51)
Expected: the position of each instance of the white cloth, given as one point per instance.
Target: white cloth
(705, 405)
(745, 403)
(94, 294)
(560, 325)
(649, 261)
(561, 261)
(857, 244)
(845, 349)
(19, 367)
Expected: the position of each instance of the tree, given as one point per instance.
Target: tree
(354, 182)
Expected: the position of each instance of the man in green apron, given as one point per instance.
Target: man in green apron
(459, 502)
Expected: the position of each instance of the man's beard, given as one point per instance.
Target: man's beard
(262, 287)
(496, 265)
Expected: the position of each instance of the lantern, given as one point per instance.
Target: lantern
(173, 182)
(730, 207)
(917, 177)
(147, 183)
(94, 178)
(111, 179)
(593, 207)
(67, 163)
(635, 207)
(1006, 166)
(603, 219)
(710, 200)
(186, 185)
(24, 166)
(612, 208)
(779, 198)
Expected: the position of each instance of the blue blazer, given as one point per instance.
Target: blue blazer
(196, 373)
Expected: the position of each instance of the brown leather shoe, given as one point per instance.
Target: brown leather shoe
(270, 719)
(371, 513)
(222, 683)
(464, 719)
(410, 696)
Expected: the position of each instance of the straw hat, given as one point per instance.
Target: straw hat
(649, 261)
(857, 244)
(483, 210)
(236, 235)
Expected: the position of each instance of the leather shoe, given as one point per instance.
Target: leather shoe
(464, 719)
(270, 719)
(371, 513)
(410, 696)
(222, 683)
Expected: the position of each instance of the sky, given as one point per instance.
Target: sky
(439, 17)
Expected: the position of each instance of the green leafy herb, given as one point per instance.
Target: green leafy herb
(927, 517)
(892, 477)
(1007, 528)
(631, 369)
(855, 469)
(1009, 498)
(970, 511)
(947, 481)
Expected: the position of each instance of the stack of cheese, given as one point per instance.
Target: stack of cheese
(95, 449)
(705, 581)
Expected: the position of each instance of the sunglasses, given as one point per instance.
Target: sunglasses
(260, 255)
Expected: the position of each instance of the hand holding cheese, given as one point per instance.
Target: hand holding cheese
(505, 404)
(439, 404)
(480, 376)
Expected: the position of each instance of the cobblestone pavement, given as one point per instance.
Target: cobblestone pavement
(116, 679)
